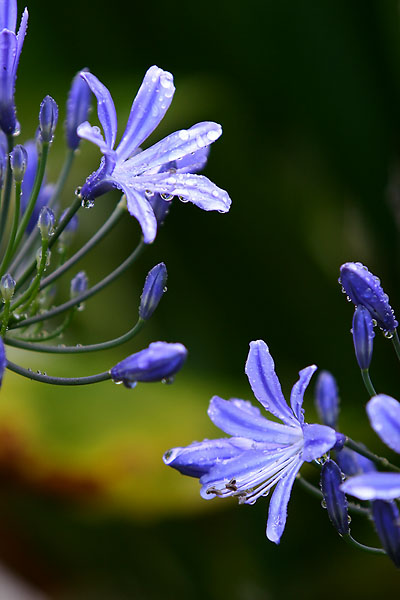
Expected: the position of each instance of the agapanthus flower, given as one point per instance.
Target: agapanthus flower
(384, 416)
(10, 51)
(261, 453)
(141, 174)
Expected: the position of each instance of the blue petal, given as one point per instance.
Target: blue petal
(373, 486)
(93, 134)
(384, 416)
(8, 14)
(105, 107)
(240, 418)
(194, 162)
(318, 439)
(173, 147)
(189, 188)
(21, 36)
(148, 109)
(8, 51)
(352, 463)
(260, 370)
(297, 394)
(3, 360)
(277, 512)
(198, 458)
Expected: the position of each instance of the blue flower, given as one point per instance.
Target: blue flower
(363, 336)
(10, 51)
(384, 415)
(261, 453)
(153, 290)
(3, 360)
(165, 168)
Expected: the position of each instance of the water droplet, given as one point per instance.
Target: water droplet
(87, 203)
(148, 193)
(167, 197)
(388, 334)
(165, 289)
(213, 135)
(78, 191)
(323, 503)
(184, 135)
(80, 307)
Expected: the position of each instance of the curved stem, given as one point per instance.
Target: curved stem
(378, 460)
(49, 336)
(58, 380)
(106, 227)
(7, 189)
(396, 343)
(32, 290)
(367, 382)
(90, 292)
(11, 240)
(312, 489)
(352, 542)
(77, 349)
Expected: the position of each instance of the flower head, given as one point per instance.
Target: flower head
(153, 290)
(327, 399)
(10, 51)
(165, 168)
(261, 453)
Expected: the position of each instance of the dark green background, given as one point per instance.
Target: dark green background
(308, 94)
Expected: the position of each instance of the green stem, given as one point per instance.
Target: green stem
(90, 292)
(312, 489)
(77, 349)
(7, 189)
(6, 316)
(396, 343)
(352, 542)
(367, 382)
(11, 239)
(42, 378)
(378, 460)
(33, 289)
(52, 335)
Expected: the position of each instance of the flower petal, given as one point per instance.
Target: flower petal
(173, 147)
(8, 50)
(384, 416)
(297, 394)
(198, 458)
(260, 370)
(21, 36)
(373, 486)
(3, 360)
(105, 107)
(148, 109)
(240, 418)
(277, 512)
(8, 14)
(140, 208)
(318, 439)
(194, 162)
(93, 134)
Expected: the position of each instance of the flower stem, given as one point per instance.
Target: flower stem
(378, 460)
(396, 343)
(51, 335)
(367, 382)
(42, 378)
(352, 542)
(32, 290)
(10, 244)
(7, 189)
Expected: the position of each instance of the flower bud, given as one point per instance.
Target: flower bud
(46, 222)
(158, 362)
(335, 499)
(363, 336)
(48, 116)
(153, 289)
(19, 161)
(79, 284)
(78, 105)
(362, 287)
(7, 287)
(387, 524)
(327, 399)
(351, 463)
(3, 360)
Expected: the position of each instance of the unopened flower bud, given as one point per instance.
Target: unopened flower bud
(48, 116)
(3, 360)
(19, 161)
(153, 289)
(7, 287)
(362, 287)
(387, 524)
(335, 500)
(327, 399)
(351, 463)
(78, 105)
(363, 336)
(46, 222)
(159, 362)
(79, 284)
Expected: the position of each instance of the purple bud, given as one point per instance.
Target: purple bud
(153, 289)
(79, 284)
(351, 463)
(7, 287)
(362, 287)
(159, 362)
(327, 399)
(78, 105)
(48, 116)
(159, 205)
(335, 499)
(363, 336)
(19, 162)
(387, 524)
(3, 360)
(46, 222)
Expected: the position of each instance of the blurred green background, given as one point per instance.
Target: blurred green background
(308, 94)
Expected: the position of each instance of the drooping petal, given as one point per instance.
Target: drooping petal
(93, 134)
(140, 208)
(240, 418)
(8, 14)
(148, 109)
(173, 147)
(260, 370)
(105, 107)
(21, 36)
(188, 187)
(373, 486)
(198, 458)
(384, 416)
(297, 393)
(277, 512)
(318, 439)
